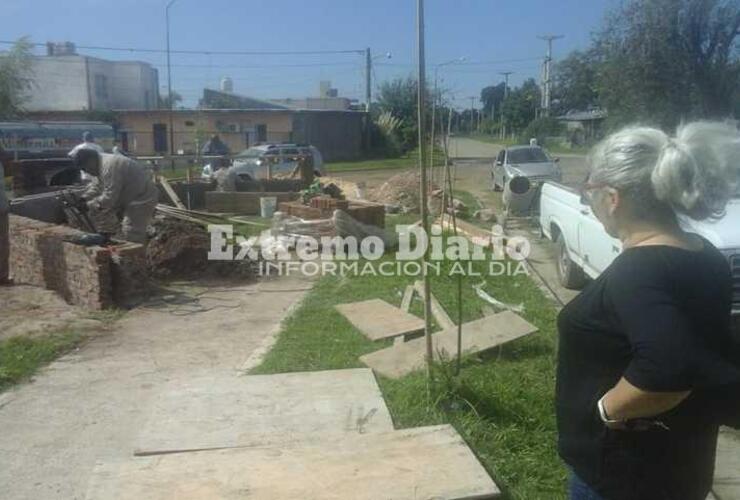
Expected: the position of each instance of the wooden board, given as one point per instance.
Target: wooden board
(478, 336)
(377, 319)
(408, 296)
(440, 315)
(230, 410)
(238, 202)
(727, 465)
(412, 464)
(171, 193)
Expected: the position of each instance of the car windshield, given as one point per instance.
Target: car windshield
(251, 153)
(527, 155)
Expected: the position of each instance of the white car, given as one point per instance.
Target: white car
(531, 162)
(584, 249)
(261, 162)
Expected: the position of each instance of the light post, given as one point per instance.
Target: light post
(169, 84)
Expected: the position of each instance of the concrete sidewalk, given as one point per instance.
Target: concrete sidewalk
(91, 404)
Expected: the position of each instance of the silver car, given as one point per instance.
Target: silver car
(264, 161)
(525, 161)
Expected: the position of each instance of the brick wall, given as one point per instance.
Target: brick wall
(93, 277)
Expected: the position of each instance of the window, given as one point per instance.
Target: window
(101, 86)
(189, 123)
(527, 155)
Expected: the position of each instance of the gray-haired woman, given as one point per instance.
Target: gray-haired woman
(647, 366)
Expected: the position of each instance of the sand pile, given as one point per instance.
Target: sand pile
(400, 191)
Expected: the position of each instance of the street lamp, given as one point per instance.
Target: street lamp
(169, 82)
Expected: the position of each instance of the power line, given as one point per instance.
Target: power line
(206, 52)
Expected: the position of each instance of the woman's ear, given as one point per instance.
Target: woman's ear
(612, 200)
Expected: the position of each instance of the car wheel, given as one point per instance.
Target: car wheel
(570, 274)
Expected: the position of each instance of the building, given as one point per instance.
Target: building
(64, 80)
(227, 99)
(584, 126)
(337, 134)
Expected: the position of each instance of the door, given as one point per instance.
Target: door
(498, 168)
(288, 161)
(597, 248)
(159, 132)
(261, 131)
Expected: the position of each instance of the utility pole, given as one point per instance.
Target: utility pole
(169, 84)
(472, 112)
(368, 96)
(547, 83)
(506, 95)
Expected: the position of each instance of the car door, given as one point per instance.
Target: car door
(498, 168)
(598, 249)
(288, 161)
(268, 164)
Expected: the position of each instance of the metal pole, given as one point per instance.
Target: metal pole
(368, 94)
(421, 91)
(169, 84)
(431, 140)
(506, 95)
(548, 62)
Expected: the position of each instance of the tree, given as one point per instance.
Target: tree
(164, 101)
(492, 97)
(574, 83)
(15, 78)
(520, 107)
(398, 97)
(663, 61)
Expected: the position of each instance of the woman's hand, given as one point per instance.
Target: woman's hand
(626, 406)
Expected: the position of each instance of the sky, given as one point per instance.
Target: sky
(492, 35)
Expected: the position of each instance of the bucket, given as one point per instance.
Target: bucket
(268, 204)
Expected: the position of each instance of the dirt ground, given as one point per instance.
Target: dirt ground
(31, 311)
(90, 404)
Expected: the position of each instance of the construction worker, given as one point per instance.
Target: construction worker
(88, 142)
(120, 187)
(214, 147)
(4, 228)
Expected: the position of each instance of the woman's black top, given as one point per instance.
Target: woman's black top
(659, 316)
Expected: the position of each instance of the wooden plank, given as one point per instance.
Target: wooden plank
(171, 193)
(245, 203)
(408, 296)
(377, 319)
(477, 336)
(411, 464)
(227, 410)
(439, 313)
(727, 465)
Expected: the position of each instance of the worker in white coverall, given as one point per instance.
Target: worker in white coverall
(121, 194)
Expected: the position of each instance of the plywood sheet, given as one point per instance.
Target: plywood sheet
(412, 464)
(477, 336)
(377, 319)
(229, 410)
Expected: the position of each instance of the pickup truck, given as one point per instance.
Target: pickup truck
(584, 249)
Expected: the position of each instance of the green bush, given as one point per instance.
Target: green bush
(541, 129)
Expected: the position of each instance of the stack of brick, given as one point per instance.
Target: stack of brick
(328, 204)
(93, 277)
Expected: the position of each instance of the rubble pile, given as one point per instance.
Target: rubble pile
(400, 192)
(180, 248)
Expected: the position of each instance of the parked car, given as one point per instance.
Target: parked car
(584, 249)
(527, 161)
(259, 162)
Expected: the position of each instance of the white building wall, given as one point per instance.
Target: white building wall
(74, 83)
(59, 84)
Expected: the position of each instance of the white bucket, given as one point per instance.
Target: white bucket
(268, 204)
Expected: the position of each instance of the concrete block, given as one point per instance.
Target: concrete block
(241, 202)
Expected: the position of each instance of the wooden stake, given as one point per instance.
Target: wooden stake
(421, 117)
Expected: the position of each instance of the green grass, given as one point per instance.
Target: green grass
(501, 404)
(21, 357)
(407, 161)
